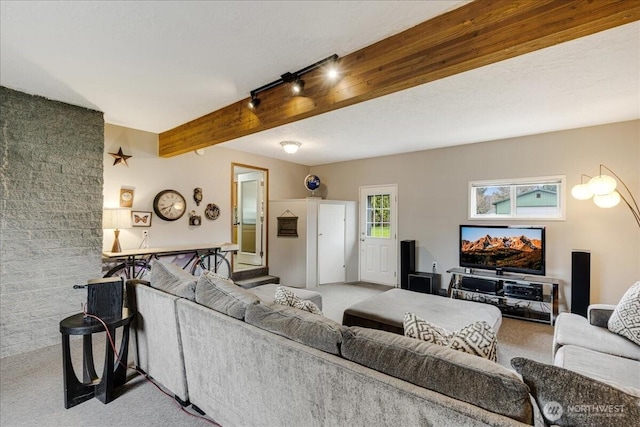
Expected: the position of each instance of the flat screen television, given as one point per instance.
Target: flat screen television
(518, 249)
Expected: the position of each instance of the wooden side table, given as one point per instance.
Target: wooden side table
(76, 392)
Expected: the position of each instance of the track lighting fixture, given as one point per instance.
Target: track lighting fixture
(254, 103)
(297, 84)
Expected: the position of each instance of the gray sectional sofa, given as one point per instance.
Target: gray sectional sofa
(246, 361)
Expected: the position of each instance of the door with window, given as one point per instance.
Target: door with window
(378, 234)
(250, 218)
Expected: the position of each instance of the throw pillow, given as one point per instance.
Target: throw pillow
(415, 327)
(286, 297)
(318, 332)
(625, 319)
(477, 338)
(567, 398)
(222, 295)
(171, 278)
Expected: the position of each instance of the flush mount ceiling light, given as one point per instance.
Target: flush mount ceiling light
(290, 146)
(297, 84)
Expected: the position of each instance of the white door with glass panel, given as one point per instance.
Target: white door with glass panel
(250, 218)
(378, 234)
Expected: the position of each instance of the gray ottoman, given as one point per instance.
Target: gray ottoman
(268, 292)
(386, 311)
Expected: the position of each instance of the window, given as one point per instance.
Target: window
(378, 220)
(522, 198)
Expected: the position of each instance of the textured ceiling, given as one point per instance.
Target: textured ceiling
(155, 65)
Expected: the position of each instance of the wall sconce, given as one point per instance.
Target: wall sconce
(290, 146)
(115, 219)
(603, 190)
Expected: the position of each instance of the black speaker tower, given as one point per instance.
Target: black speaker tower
(580, 282)
(407, 261)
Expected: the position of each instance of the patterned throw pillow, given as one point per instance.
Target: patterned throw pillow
(415, 327)
(477, 338)
(625, 319)
(285, 297)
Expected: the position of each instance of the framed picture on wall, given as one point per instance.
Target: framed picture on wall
(288, 226)
(126, 197)
(141, 219)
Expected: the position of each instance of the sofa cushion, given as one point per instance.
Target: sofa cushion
(567, 398)
(221, 294)
(286, 297)
(477, 338)
(572, 329)
(310, 329)
(604, 367)
(461, 376)
(173, 279)
(625, 319)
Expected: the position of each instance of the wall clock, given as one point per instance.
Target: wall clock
(169, 205)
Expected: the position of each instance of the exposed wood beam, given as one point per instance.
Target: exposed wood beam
(477, 34)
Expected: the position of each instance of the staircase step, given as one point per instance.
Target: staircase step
(257, 281)
(250, 273)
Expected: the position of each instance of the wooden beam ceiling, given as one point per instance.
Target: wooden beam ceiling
(477, 34)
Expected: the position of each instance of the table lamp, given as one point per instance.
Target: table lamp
(115, 219)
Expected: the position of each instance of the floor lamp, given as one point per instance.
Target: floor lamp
(603, 189)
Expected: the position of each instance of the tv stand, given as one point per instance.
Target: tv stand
(527, 297)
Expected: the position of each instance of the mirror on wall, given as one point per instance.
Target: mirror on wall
(249, 196)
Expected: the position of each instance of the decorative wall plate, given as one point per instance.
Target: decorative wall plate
(212, 211)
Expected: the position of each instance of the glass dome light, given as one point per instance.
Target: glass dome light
(581, 192)
(607, 200)
(290, 146)
(602, 184)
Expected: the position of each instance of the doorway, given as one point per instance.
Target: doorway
(248, 193)
(378, 234)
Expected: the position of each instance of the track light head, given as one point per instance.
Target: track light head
(254, 103)
(297, 86)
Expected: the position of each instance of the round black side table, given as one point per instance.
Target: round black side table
(76, 392)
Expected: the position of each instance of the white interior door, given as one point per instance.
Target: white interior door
(378, 234)
(331, 243)
(250, 218)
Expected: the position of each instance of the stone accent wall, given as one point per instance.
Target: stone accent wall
(51, 170)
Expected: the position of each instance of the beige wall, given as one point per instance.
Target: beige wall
(433, 191)
(149, 174)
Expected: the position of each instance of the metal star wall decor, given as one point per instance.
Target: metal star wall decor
(120, 157)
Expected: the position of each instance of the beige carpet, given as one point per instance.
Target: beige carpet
(31, 384)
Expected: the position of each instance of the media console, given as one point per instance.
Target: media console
(532, 298)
